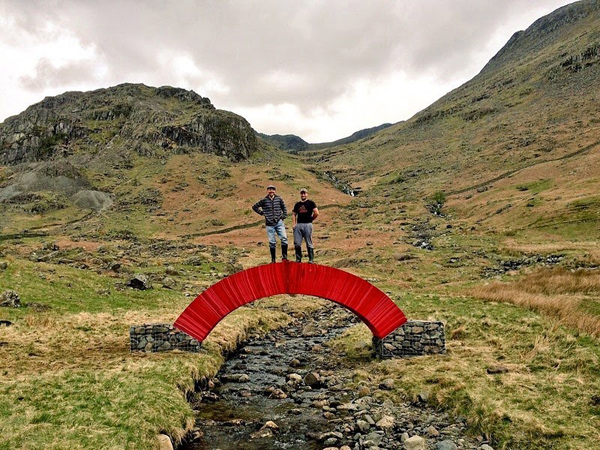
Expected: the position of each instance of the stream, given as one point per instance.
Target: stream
(290, 390)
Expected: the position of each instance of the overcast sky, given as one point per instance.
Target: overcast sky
(319, 69)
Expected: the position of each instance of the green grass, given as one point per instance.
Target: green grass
(68, 379)
(544, 401)
(74, 290)
(535, 187)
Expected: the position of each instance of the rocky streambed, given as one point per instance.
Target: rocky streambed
(290, 390)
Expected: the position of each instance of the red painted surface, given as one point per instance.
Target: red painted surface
(374, 308)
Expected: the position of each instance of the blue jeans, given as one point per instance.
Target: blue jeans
(280, 230)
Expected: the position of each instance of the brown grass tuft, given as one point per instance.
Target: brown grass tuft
(557, 292)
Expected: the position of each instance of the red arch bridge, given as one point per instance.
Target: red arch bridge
(370, 304)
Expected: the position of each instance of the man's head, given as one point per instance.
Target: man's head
(303, 194)
(271, 190)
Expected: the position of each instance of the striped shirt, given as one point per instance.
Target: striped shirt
(273, 209)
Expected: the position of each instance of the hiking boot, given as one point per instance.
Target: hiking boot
(311, 255)
(284, 252)
(298, 253)
(272, 249)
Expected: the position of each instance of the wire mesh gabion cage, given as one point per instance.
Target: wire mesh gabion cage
(160, 337)
(414, 338)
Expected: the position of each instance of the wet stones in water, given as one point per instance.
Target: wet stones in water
(312, 379)
(314, 408)
(235, 378)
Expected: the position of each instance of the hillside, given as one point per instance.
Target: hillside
(293, 143)
(529, 118)
(481, 211)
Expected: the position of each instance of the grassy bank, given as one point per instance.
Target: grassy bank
(545, 396)
(68, 379)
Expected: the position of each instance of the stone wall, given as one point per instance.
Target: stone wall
(160, 337)
(415, 337)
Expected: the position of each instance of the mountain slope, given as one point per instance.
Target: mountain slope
(129, 116)
(532, 109)
(291, 142)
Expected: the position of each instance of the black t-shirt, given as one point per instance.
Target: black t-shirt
(304, 211)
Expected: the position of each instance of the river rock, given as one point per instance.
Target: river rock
(312, 379)
(270, 424)
(446, 445)
(164, 442)
(278, 393)
(386, 422)
(363, 391)
(10, 299)
(236, 378)
(374, 438)
(486, 447)
(415, 443)
(347, 407)
(431, 431)
(294, 378)
(363, 425)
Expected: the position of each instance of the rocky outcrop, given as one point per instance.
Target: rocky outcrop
(10, 299)
(125, 116)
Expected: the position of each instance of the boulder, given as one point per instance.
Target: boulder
(10, 299)
(312, 379)
(386, 422)
(446, 445)
(140, 282)
(164, 442)
(415, 443)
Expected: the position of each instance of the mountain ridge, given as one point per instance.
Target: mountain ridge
(127, 115)
(291, 142)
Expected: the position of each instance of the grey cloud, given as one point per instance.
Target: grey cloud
(326, 44)
(48, 76)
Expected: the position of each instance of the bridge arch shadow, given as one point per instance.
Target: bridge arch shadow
(370, 304)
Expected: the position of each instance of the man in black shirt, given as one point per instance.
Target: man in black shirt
(303, 215)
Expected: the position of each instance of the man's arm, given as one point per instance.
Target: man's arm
(257, 208)
(294, 219)
(315, 213)
(283, 210)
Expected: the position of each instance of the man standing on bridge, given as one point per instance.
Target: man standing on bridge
(272, 207)
(303, 215)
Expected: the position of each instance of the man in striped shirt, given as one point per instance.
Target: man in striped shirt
(272, 207)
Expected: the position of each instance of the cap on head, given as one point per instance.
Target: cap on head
(271, 187)
(303, 190)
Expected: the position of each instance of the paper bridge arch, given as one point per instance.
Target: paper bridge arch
(370, 304)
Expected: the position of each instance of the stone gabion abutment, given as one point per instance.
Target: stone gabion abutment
(160, 337)
(414, 338)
